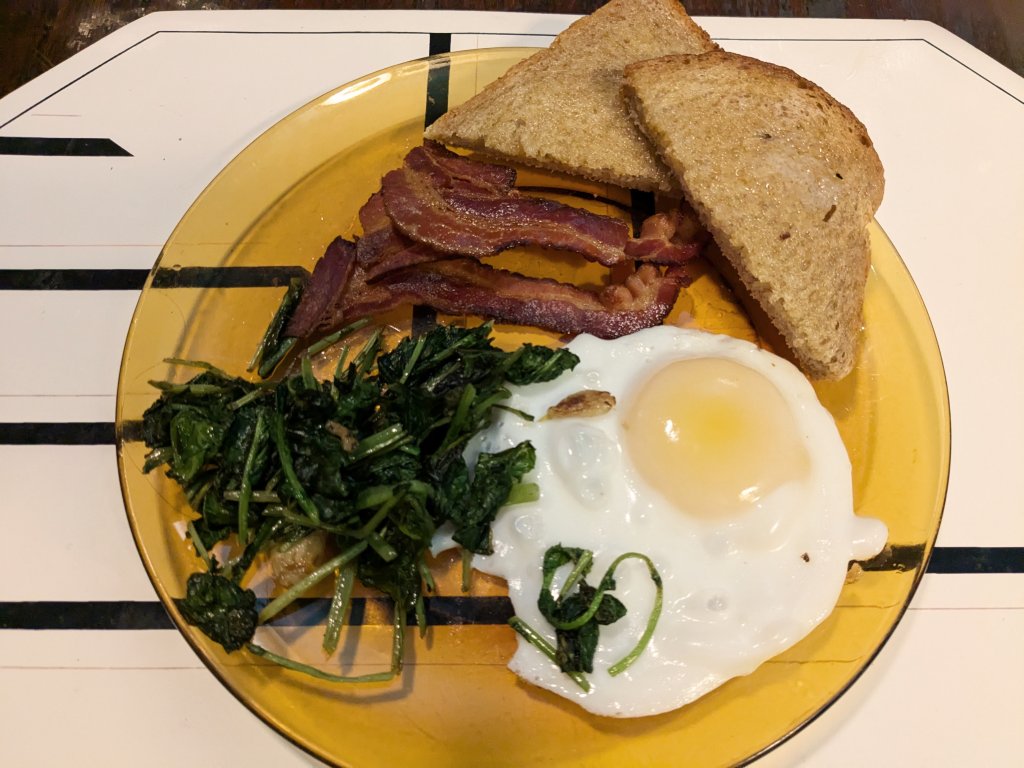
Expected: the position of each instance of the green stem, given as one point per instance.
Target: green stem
(156, 457)
(510, 359)
(485, 406)
(464, 341)
(428, 583)
(521, 414)
(192, 389)
(248, 398)
(467, 569)
(236, 570)
(245, 492)
(281, 602)
(285, 456)
(410, 364)
(270, 363)
(343, 585)
(364, 360)
(374, 496)
(339, 369)
(431, 384)
(273, 332)
(199, 364)
(398, 639)
(581, 569)
(459, 417)
(198, 544)
(308, 379)
(196, 496)
(381, 547)
(378, 517)
(284, 513)
(259, 497)
(523, 493)
(425, 574)
(298, 666)
(652, 620)
(541, 644)
(335, 337)
(421, 616)
(379, 442)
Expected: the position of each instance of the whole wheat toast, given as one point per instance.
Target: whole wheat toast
(561, 109)
(784, 177)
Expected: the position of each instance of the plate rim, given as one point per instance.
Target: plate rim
(309, 746)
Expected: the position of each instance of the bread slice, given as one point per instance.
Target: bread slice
(786, 180)
(561, 109)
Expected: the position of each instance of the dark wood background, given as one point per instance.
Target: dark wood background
(37, 34)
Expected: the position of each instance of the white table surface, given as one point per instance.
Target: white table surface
(184, 92)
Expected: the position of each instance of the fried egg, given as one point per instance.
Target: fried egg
(718, 462)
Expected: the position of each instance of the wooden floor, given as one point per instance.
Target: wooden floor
(37, 34)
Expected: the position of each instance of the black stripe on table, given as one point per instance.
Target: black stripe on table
(311, 612)
(440, 611)
(437, 79)
(56, 147)
(58, 433)
(964, 560)
(135, 279)
(72, 279)
(977, 560)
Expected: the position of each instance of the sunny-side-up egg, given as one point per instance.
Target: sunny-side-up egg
(717, 462)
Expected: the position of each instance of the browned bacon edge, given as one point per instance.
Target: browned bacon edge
(463, 218)
(443, 165)
(382, 248)
(329, 280)
(463, 207)
(668, 238)
(386, 268)
(465, 286)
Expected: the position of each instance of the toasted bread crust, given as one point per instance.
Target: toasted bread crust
(561, 109)
(784, 177)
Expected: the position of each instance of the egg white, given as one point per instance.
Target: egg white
(738, 589)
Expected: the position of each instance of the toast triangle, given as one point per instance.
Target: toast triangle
(784, 177)
(562, 109)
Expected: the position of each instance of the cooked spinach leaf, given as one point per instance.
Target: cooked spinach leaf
(580, 610)
(373, 456)
(220, 608)
(494, 477)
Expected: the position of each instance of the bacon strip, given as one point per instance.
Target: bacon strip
(382, 248)
(443, 165)
(465, 286)
(456, 215)
(328, 282)
(462, 207)
(667, 238)
(458, 206)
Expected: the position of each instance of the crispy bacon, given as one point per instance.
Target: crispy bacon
(439, 207)
(462, 207)
(465, 286)
(456, 215)
(382, 248)
(443, 166)
(328, 282)
(669, 238)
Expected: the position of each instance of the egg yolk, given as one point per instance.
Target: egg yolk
(713, 436)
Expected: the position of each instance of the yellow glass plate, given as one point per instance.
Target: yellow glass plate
(216, 284)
